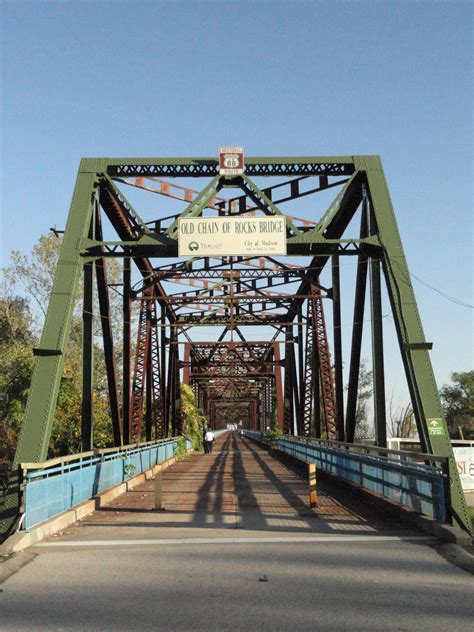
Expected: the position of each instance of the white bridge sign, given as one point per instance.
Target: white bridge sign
(231, 236)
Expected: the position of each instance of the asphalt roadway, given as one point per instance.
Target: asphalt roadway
(272, 567)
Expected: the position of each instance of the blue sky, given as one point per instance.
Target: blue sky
(182, 78)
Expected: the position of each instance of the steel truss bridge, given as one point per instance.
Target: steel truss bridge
(289, 378)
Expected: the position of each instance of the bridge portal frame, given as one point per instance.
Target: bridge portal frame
(379, 250)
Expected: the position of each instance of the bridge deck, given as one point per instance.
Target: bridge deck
(236, 549)
(240, 490)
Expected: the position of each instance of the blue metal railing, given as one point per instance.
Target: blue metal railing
(416, 485)
(50, 488)
(218, 433)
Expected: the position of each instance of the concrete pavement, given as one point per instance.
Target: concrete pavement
(232, 519)
(336, 586)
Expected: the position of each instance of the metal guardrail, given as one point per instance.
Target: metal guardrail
(416, 480)
(52, 487)
(218, 433)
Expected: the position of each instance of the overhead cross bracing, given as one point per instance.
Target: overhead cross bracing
(331, 208)
(238, 296)
(237, 382)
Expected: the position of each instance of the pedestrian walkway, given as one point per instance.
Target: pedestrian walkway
(240, 490)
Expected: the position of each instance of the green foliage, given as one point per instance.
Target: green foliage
(402, 422)
(364, 393)
(180, 451)
(16, 364)
(66, 433)
(129, 469)
(271, 435)
(194, 419)
(35, 273)
(458, 404)
(275, 406)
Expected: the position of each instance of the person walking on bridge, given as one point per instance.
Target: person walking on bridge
(209, 438)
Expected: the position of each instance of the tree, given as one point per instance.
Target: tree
(66, 431)
(402, 421)
(364, 394)
(458, 404)
(16, 364)
(194, 419)
(35, 274)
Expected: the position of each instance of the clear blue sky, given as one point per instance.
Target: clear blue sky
(182, 78)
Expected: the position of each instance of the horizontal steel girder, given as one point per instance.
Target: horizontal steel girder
(313, 245)
(209, 167)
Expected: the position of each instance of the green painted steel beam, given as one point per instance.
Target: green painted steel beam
(265, 203)
(335, 206)
(135, 218)
(414, 350)
(140, 166)
(209, 166)
(87, 410)
(296, 246)
(36, 428)
(197, 206)
(249, 160)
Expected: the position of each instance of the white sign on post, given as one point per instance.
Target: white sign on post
(465, 465)
(231, 236)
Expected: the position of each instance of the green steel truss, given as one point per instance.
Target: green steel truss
(379, 241)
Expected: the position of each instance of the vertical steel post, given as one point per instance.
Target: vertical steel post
(158, 489)
(186, 364)
(295, 404)
(149, 375)
(377, 354)
(107, 335)
(317, 397)
(377, 339)
(87, 416)
(317, 418)
(308, 400)
(313, 492)
(288, 401)
(211, 413)
(170, 385)
(156, 382)
(278, 387)
(177, 391)
(338, 367)
(127, 348)
(300, 381)
(357, 328)
(164, 382)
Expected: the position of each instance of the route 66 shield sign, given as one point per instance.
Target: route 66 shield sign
(231, 161)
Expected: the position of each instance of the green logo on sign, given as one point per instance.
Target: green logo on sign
(193, 245)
